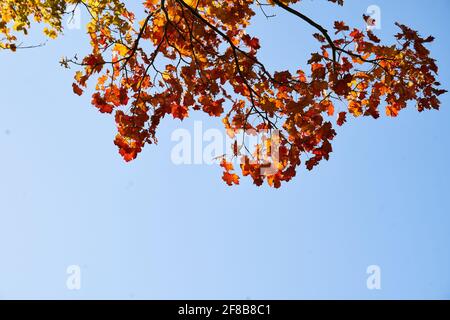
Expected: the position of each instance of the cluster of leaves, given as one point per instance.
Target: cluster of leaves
(188, 55)
(17, 16)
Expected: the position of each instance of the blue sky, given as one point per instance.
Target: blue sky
(154, 230)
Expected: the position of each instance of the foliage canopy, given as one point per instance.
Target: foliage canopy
(187, 55)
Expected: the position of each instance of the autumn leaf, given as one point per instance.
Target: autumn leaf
(340, 26)
(391, 111)
(179, 111)
(342, 118)
(76, 89)
(230, 178)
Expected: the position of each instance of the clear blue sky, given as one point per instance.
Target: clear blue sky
(154, 230)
